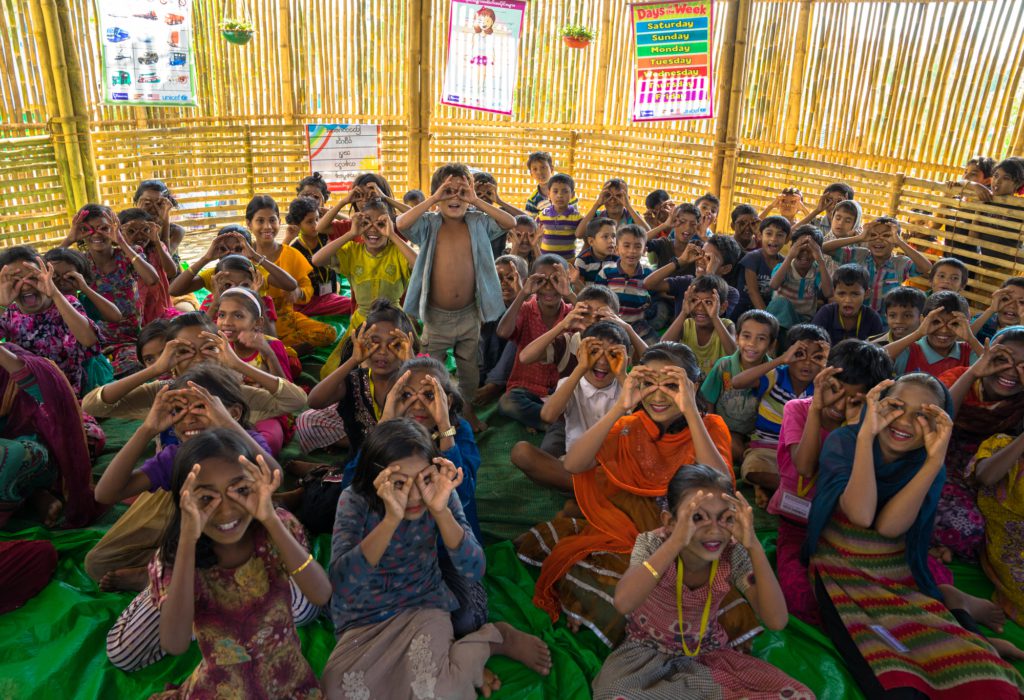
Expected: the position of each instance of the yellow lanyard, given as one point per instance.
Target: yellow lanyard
(842, 324)
(373, 395)
(707, 606)
(802, 490)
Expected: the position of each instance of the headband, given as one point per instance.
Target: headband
(245, 291)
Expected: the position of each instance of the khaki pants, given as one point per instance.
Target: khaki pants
(459, 331)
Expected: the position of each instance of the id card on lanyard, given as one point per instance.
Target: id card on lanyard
(796, 504)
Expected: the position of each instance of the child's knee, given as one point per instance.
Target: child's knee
(760, 466)
(523, 455)
(95, 564)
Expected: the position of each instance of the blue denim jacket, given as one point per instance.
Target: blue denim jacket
(482, 230)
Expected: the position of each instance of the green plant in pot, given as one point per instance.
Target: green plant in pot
(237, 31)
(576, 36)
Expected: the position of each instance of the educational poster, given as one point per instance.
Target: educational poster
(339, 152)
(673, 60)
(483, 54)
(147, 52)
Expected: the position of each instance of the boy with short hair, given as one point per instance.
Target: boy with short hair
(558, 221)
(718, 256)
(524, 239)
(579, 401)
(744, 227)
(755, 281)
(497, 355)
(540, 305)
(830, 197)
(886, 271)
(789, 203)
(847, 317)
(541, 168)
(413, 197)
(948, 275)
(598, 249)
(790, 376)
(462, 290)
(800, 280)
(700, 324)
(659, 205)
(626, 279)
(708, 205)
(670, 239)
(756, 333)
(612, 203)
(486, 187)
(1004, 311)
(903, 308)
(943, 340)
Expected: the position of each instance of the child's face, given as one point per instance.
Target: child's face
(712, 522)
(383, 362)
(850, 298)
(905, 433)
(1003, 184)
(708, 213)
(687, 226)
(62, 277)
(560, 195)
(601, 374)
(264, 225)
(408, 469)
(417, 398)
(806, 365)
(603, 243)
(541, 172)
(454, 207)
(193, 419)
(138, 232)
(315, 193)
(230, 244)
(661, 406)
(902, 320)
(615, 202)
(509, 280)
(803, 260)
(1005, 382)
(629, 249)
(226, 279)
(217, 480)
(831, 200)
(484, 190)
(946, 278)
(234, 317)
(31, 299)
(308, 224)
(972, 173)
(710, 261)
(844, 402)
(152, 350)
(412, 199)
(377, 231)
(843, 223)
(773, 239)
(753, 341)
(880, 241)
(527, 237)
(149, 202)
(190, 350)
(789, 205)
(745, 231)
(98, 232)
(701, 304)
(1008, 313)
(547, 295)
(942, 336)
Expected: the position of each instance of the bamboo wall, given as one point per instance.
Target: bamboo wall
(884, 95)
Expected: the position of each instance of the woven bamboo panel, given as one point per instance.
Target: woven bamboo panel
(32, 202)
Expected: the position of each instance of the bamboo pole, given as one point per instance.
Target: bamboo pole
(796, 76)
(725, 95)
(56, 132)
(284, 45)
(729, 120)
(413, 90)
(605, 37)
(427, 80)
(79, 102)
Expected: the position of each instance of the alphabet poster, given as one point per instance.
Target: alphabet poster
(339, 152)
(147, 53)
(483, 54)
(673, 60)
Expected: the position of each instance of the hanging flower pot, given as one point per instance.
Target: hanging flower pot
(576, 36)
(237, 31)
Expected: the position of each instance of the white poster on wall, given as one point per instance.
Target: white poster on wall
(147, 52)
(339, 152)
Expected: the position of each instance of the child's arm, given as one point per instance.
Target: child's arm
(581, 455)
(859, 500)
(156, 238)
(407, 252)
(332, 389)
(505, 206)
(637, 219)
(11, 363)
(657, 281)
(675, 329)
(177, 612)
(637, 344)
(507, 325)
(923, 264)
(535, 351)
(108, 309)
(999, 297)
(896, 348)
(276, 277)
(406, 220)
(121, 480)
(835, 244)
(962, 325)
(753, 291)
(226, 355)
(503, 218)
(325, 256)
(749, 378)
(638, 581)
(189, 279)
(827, 289)
(782, 271)
(555, 404)
(323, 224)
(664, 226)
(771, 206)
(725, 335)
(901, 511)
(805, 453)
(705, 450)
(765, 594)
(581, 227)
(147, 275)
(77, 323)
(991, 470)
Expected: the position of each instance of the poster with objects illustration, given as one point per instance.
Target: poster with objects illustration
(147, 52)
(483, 54)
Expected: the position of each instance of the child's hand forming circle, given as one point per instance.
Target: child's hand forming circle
(880, 413)
(393, 489)
(685, 527)
(362, 345)
(937, 428)
(742, 525)
(400, 345)
(436, 489)
(195, 510)
(256, 493)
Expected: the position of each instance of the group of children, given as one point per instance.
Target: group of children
(664, 362)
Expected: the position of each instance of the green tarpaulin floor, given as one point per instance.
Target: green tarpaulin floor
(53, 647)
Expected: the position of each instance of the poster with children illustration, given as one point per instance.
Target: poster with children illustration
(483, 54)
(147, 53)
(673, 60)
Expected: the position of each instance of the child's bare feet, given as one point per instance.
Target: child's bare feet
(125, 579)
(983, 611)
(1008, 650)
(486, 394)
(48, 507)
(491, 683)
(529, 650)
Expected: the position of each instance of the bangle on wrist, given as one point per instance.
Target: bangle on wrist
(446, 434)
(309, 560)
(654, 572)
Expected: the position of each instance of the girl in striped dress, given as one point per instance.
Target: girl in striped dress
(868, 536)
(679, 576)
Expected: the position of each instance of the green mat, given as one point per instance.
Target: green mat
(55, 645)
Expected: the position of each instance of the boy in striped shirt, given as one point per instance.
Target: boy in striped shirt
(626, 279)
(598, 249)
(559, 220)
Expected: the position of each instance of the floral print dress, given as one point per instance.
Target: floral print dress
(245, 628)
(121, 287)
